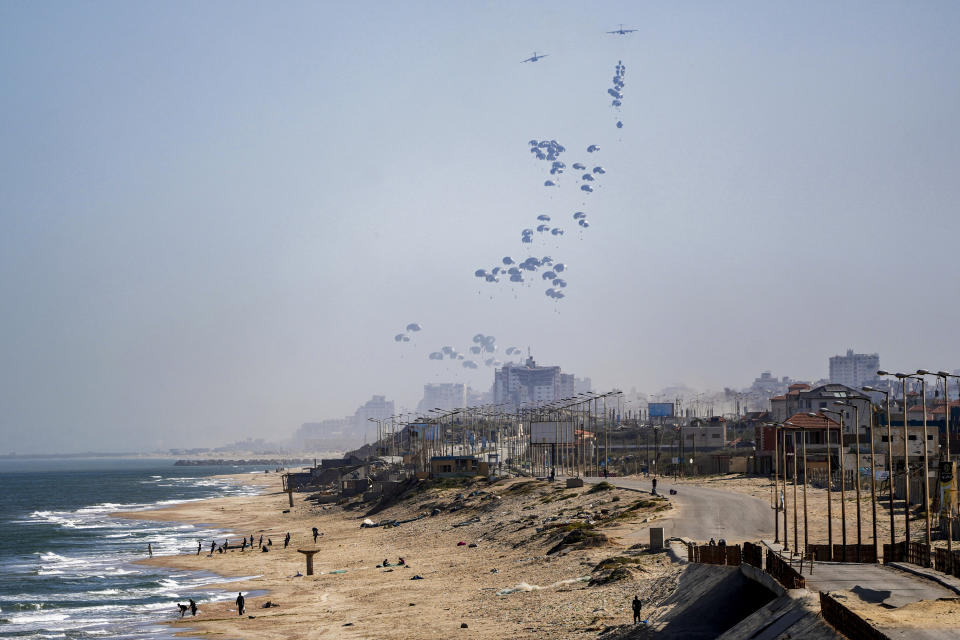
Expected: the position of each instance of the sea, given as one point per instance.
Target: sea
(67, 567)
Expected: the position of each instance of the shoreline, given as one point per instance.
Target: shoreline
(219, 581)
(482, 562)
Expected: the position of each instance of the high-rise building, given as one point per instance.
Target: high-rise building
(529, 384)
(377, 408)
(854, 369)
(582, 385)
(444, 395)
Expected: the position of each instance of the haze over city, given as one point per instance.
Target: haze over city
(217, 216)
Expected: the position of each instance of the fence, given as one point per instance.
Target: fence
(753, 554)
(841, 553)
(917, 553)
(847, 622)
(948, 562)
(783, 572)
(714, 554)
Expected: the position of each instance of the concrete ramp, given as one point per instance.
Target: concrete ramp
(707, 600)
(790, 616)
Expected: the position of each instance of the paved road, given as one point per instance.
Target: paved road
(874, 583)
(700, 513)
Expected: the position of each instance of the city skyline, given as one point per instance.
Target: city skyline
(218, 217)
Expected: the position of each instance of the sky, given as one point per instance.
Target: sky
(216, 216)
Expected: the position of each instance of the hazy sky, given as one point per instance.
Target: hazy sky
(216, 215)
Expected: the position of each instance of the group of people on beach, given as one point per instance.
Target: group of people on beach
(184, 607)
(244, 543)
(225, 547)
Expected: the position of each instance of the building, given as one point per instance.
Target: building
(528, 384)
(854, 369)
(443, 395)
(705, 434)
(458, 467)
(582, 385)
(376, 408)
(801, 399)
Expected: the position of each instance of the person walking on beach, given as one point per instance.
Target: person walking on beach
(193, 607)
(213, 546)
(240, 602)
(150, 549)
(315, 534)
(243, 547)
(637, 606)
(286, 540)
(199, 546)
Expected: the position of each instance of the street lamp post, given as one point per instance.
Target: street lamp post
(922, 373)
(826, 424)
(806, 526)
(906, 458)
(843, 485)
(776, 481)
(886, 397)
(856, 422)
(946, 407)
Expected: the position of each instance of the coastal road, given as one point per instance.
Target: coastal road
(700, 513)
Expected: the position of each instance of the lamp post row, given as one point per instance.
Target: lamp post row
(781, 463)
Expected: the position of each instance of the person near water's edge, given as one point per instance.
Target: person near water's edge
(193, 607)
(199, 546)
(240, 602)
(637, 606)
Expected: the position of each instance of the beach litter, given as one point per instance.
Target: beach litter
(417, 577)
(523, 586)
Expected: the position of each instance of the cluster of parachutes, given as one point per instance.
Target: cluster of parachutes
(483, 346)
(515, 272)
(616, 91)
(413, 327)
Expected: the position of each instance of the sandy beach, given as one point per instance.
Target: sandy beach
(508, 578)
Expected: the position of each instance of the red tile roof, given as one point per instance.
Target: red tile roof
(805, 421)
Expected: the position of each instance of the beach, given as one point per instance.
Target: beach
(491, 563)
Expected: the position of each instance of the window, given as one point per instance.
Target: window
(912, 437)
(882, 439)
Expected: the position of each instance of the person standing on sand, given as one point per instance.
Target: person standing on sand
(637, 606)
(193, 607)
(199, 546)
(240, 602)
(286, 540)
(243, 547)
(315, 534)
(260, 544)
(213, 546)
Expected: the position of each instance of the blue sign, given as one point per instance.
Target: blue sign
(660, 409)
